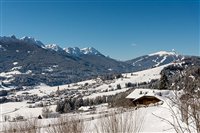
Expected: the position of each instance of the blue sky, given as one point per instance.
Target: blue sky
(121, 29)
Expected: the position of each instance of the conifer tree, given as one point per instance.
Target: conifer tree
(163, 82)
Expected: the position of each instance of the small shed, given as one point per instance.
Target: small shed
(144, 96)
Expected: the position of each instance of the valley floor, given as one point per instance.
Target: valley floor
(145, 118)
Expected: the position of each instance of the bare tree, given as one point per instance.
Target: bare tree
(66, 125)
(28, 126)
(185, 105)
(46, 111)
(120, 122)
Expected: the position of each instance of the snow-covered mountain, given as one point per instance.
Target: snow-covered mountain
(27, 61)
(53, 47)
(155, 59)
(53, 65)
(73, 51)
(6, 39)
(164, 53)
(32, 40)
(90, 51)
(85, 51)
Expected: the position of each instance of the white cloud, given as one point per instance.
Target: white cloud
(133, 44)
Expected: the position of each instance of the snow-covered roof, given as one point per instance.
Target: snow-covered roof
(156, 96)
(138, 93)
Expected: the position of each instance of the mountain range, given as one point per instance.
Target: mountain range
(28, 62)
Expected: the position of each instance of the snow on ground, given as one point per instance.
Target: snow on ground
(158, 63)
(9, 77)
(151, 116)
(105, 93)
(9, 74)
(15, 63)
(8, 81)
(137, 61)
(151, 123)
(49, 69)
(14, 109)
(28, 72)
(143, 76)
(16, 68)
(43, 89)
(136, 77)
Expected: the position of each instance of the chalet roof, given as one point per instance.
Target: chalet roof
(157, 97)
(138, 93)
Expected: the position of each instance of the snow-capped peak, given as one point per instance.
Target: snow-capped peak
(9, 38)
(163, 53)
(90, 51)
(73, 51)
(84, 51)
(32, 40)
(27, 38)
(54, 47)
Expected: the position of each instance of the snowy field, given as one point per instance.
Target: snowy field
(146, 117)
(151, 116)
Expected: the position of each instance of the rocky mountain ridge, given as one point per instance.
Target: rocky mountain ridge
(28, 62)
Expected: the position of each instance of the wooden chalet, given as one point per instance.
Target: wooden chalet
(144, 97)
